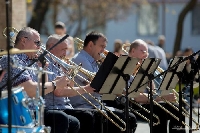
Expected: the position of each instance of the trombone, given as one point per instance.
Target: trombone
(185, 113)
(79, 44)
(72, 72)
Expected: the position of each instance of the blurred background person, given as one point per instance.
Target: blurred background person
(161, 41)
(60, 29)
(118, 47)
(157, 52)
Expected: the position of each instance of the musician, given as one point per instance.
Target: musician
(29, 38)
(63, 103)
(139, 49)
(94, 45)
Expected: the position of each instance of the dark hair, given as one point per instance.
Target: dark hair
(93, 36)
(59, 25)
(187, 50)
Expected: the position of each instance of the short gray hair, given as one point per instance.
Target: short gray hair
(25, 32)
(53, 39)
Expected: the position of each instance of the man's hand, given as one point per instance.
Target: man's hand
(171, 97)
(89, 89)
(61, 84)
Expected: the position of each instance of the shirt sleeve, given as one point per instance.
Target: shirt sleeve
(13, 72)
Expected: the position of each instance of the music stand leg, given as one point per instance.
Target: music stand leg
(151, 108)
(126, 78)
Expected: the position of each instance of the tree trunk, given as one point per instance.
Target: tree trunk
(39, 13)
(180, 23)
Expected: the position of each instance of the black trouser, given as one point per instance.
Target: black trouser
(85, 117)
(164, 117)
(92, 121)
(60, 122)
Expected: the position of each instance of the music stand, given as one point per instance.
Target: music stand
(141, 80)
(170, 80)
(109, 80)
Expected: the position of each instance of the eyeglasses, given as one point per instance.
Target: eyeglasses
(38, 43)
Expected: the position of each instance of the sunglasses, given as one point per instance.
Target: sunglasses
(38, 43)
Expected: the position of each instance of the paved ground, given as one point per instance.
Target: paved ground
(144, 127)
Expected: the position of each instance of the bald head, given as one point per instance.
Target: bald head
(138, 49)
(136, 43)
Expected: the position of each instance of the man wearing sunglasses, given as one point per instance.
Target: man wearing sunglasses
(28, 38)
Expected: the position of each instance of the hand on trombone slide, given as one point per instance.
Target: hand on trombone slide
(64, 85)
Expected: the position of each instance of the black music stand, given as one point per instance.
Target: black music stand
(170, 80)
(141, 80)
(109, 80)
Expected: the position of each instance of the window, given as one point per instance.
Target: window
(147, 22)
(196, 20)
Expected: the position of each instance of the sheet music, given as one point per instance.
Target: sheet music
(170, 79)
(141, 79)
(115, 84)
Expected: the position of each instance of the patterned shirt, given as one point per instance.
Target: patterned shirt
(23, 60)
(91, 65)
(52, 101)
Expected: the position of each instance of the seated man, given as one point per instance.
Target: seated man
(139, 49)
(94, 45)
(28, 38)
(88, 123)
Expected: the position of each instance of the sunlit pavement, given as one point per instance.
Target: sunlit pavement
(144, 127)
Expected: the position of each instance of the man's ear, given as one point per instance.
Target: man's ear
(90, 44)
(49, 46)
(23, 41)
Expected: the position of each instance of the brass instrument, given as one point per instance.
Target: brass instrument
(158, 71)
(79, 44)
(146, 110)
(185, 113)
(184, 101)
(72, 71)
(12, 33)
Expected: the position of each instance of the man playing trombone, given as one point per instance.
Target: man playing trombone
(93, 46)
(139, 49)
(29, 38)
(85, 116)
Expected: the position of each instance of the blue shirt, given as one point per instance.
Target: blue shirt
(91, 65)
(52, 101)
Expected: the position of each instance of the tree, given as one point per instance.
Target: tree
(41, 7)
(81, 15)
(177, 44)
